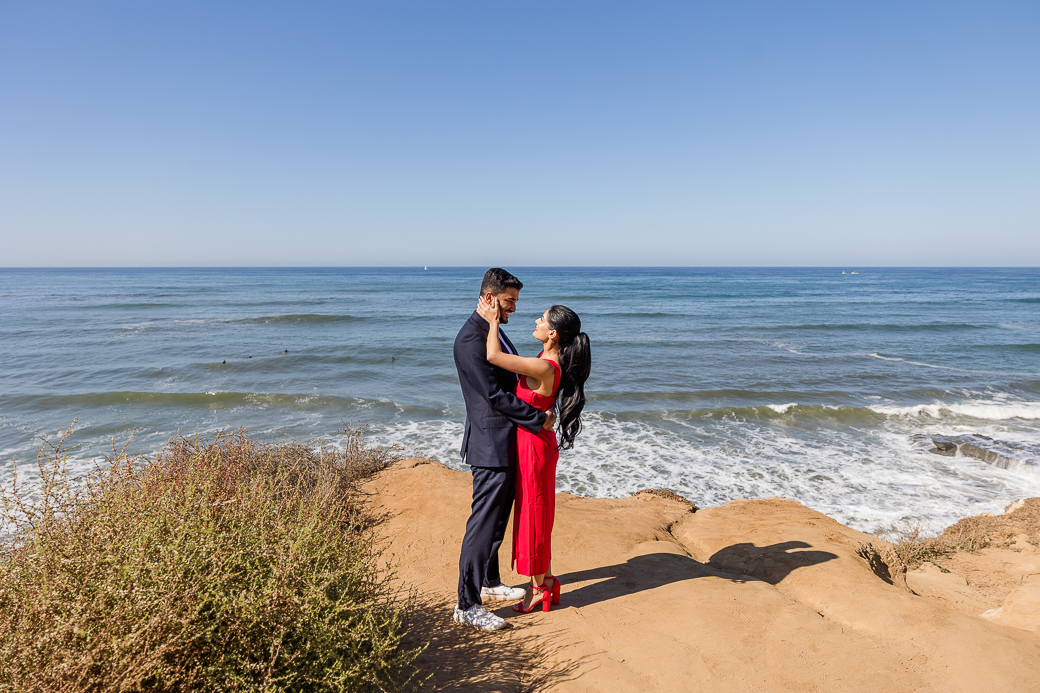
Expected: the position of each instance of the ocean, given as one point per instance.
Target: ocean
(825, 385)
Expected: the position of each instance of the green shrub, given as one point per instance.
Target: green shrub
(224, 566)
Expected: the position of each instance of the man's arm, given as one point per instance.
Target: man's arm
(481, 378)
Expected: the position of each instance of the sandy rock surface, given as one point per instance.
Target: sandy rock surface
(763, 595)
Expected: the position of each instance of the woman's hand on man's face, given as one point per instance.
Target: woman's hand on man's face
(488, 309)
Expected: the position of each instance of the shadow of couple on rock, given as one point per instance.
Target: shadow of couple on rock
(738, 563)
(462, 659)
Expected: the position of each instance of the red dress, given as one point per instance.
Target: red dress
(535, 506)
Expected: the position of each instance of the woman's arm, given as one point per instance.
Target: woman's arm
(477, 377)
(534, 368)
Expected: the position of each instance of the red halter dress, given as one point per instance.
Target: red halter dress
(535, 506)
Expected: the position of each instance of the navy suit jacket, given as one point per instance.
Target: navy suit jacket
(493, 411)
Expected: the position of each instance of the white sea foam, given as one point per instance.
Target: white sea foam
(914, 363)
(947, 368)
(861, 474)
(881, 478)
(787, 346)
(992, 411)
(436, 439)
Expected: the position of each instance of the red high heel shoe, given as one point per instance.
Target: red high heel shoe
(545, 600)
(555, 588)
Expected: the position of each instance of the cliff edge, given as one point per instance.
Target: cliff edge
(763, 595)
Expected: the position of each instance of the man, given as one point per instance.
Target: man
(489, 447)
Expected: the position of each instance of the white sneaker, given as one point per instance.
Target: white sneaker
(502, 592)
(478, 617)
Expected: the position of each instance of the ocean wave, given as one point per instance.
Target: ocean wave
(806, 415)
(991, 411)
(166, 323)
(815, 414)
(1027, 348)
(293, 302)
(605, 399)
(581, 297)
(800, 414)
(860, 481)
(296, 360)
(299, 318)
(788, 346)
(861, 475)
(122, 306)
(674, 406)
(875, 355)
(883, 327)
(216, 400)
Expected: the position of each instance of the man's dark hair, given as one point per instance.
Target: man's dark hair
(497, 280)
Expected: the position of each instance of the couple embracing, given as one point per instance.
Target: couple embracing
(512, 404)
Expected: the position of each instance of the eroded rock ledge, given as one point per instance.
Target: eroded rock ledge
(763, 595)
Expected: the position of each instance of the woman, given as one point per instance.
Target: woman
(562, 367)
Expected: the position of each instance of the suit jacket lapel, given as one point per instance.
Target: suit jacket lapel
(506, 340)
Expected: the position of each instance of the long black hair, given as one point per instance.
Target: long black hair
(575, 364)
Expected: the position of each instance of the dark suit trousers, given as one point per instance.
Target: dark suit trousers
(493, 490)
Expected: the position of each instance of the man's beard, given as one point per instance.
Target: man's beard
(503, 317)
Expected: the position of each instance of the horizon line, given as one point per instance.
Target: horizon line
(331, 267)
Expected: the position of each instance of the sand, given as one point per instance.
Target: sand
(764, 595)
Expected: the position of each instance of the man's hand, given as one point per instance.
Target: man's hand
(550, 421)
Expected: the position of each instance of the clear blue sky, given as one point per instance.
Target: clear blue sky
(519, 133)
